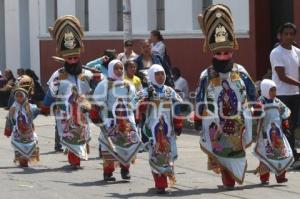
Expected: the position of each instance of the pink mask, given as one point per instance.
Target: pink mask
(223, 55)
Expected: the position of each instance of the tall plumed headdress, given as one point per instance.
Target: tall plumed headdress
(217, 26)
(68, 34)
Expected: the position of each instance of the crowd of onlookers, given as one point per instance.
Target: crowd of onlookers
(152, 51)
(8, 82)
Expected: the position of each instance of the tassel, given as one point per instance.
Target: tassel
(172, 179)
(261, 169)
(38, 154)
(213, 165)
(133, 160)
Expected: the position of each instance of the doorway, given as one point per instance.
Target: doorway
(281, 12)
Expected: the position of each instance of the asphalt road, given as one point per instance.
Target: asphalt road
(51, 178)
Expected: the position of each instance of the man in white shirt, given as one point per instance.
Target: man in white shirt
(128, 54)
(285, 61)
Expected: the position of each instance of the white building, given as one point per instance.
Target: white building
(24, 23)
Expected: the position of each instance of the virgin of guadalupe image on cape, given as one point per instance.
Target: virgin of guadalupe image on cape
(75, 127)
(228, 143)
(122, 132)
(162, 149)
(275, 147)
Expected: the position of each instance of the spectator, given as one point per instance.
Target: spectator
(6, 89)
(158, 47)
(20, 72)
(130, 69)
(2, 80)
(38, 93)
(285, 61)
(101, 64)
(181, 85)
(157, 44)
(146, 60)
(278, 43)
(128, 53)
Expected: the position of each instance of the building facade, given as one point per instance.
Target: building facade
(26, 42)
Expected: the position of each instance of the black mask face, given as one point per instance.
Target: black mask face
(222, 66)
(73, 69)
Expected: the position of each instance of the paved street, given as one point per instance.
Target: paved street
(52, 179)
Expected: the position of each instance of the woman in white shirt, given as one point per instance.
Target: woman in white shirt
(157, 43)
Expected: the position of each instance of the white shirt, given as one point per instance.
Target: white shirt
(290, 60)
(159, 47)
(123, 58)
(182, 87)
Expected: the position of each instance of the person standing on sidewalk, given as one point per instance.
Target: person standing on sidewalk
(128, 54)
(285, 62)
(157, 43)
(130, 71)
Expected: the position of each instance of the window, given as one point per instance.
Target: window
(86, 14)
(206, 3)
(160, 11)
(82, 12)
(24, 33)
(51, 12)
(198, 7)
(120, 15)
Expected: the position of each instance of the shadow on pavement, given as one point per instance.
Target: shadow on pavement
(182, 193)
(30, 170)
(51, 153)
(98, 183)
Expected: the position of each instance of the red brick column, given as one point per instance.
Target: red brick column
(297, 18)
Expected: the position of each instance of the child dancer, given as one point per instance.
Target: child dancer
(19, 125)
(157, 102)
(118, 138)
(272, 148)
